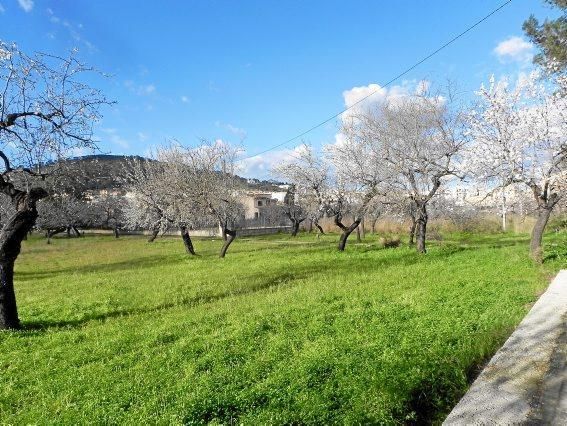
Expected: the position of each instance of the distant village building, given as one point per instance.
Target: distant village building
(256, 202)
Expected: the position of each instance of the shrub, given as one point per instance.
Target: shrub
(389, 242)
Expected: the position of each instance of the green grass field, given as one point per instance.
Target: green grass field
(280, 331)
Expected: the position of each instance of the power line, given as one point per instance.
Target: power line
(421, 61)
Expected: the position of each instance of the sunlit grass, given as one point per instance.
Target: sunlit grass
(280, 331)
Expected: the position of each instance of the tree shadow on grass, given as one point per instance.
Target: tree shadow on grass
(269, 279)
(264, 284)
(138, 263)
(263, 281)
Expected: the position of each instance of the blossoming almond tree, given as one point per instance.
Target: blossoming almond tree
(46, 111)
(216, 189)
(519, 136)
(308, 174)
(158, 197)
(416, 141)
(361, 172)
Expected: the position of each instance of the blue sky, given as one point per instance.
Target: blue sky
(260, 72)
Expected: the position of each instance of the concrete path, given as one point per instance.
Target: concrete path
(526, 381)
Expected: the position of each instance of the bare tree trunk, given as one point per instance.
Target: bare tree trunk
(320, 228)
(421, 227)
(230, 236)
(358, 239)
(153, 235)
(310, 227)
(411, 240)
(116, 232)
(295, 227)
(536, 250)
(68, 232)
(11, 237)
(8, 308)
(373, 225)
(504, 210)
(347, 230)
(77, 232)
(362, 230)
(187, 240)
(51, 232)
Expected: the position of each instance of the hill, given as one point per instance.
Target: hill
(103, 171)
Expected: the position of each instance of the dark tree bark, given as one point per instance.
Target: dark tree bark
(347, 230)
(546, 201)
(295, 226)
(421, 227)
(320, 228)
(187, 240)
(153, 235)
(11, 237)
(68, 229)
(8, 307)
(295, 221)
(230, 236)
(373, 225)
(116, 232)
(412, 213)
(77, 232)
(51, 232)
(536, 249)
(411, 239)
(418, 208)
(357, 218)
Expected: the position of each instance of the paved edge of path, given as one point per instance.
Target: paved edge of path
(526, 381)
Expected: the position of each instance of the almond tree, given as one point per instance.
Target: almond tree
(309, 178)
(67, 208)
(46, 111)
(360, 173)
(64, 213)
(158, 196)
(519, 136)
(108, 212)
(420, 139)
(293, 208)
(215, 188)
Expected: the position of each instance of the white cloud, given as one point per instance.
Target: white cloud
(360, 98)
(514, 49)
(363, 98)
(27, 5)
(79, 152)
(113, 137)
(237, 131)
(213, 87)
(422, 87)
(142, 137)
(140, 90)
(241, 133)
(74, 31)
(185, 99)
(2, 10)
(260, 166)
(52, 18)
(149, 89)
